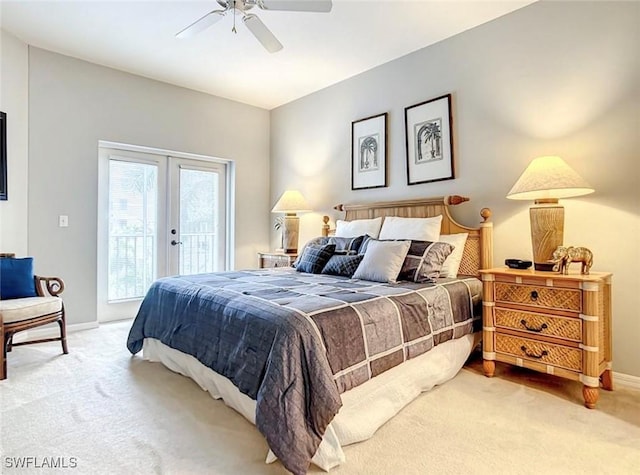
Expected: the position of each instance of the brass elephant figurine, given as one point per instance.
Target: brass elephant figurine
(566, 255)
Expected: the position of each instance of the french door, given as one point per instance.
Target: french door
(160, 215)
(197, 221)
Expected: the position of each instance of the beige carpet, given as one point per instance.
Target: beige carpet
(116, 414)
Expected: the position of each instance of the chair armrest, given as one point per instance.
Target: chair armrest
(54, 285)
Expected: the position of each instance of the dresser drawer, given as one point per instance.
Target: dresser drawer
(539, 296)
(275, 262)
(268, 260)
(536, 323)
(542, 352)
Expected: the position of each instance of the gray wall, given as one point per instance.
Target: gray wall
(72, 105)
(14, 73)
(554, 78)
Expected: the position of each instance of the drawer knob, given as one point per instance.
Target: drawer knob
(532, 329)
(534, 295)
(533, 355)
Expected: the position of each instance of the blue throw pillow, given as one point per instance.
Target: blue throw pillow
(16, 278)
(314, 258)
(344, 265)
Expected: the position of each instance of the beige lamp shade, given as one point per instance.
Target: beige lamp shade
(549, 178)
(290, 202)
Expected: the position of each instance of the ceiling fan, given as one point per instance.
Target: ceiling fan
(253, 23)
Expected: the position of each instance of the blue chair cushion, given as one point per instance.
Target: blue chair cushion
(16, 278)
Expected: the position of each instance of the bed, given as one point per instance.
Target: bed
(317, 361)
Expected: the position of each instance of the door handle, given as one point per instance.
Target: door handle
(175, 243)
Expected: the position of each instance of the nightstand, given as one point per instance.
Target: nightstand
(552, 323)
(276, 259)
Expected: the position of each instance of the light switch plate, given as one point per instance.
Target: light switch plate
(63, 221)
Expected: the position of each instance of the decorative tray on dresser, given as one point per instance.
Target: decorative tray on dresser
(549, 322)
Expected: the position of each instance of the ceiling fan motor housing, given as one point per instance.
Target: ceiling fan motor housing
(239, 6)
(252, 22)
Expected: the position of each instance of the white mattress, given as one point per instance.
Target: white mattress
(365, 408)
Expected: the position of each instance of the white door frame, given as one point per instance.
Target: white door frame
(111, 311)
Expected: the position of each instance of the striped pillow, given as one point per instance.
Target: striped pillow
(346, 245)
(424, 261)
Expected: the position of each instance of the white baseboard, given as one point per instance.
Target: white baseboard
(626, 380)
(115, 318)
(52, 331)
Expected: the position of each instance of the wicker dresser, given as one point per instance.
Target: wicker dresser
(275, 259)
(549, 322)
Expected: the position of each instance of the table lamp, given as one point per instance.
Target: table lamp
(545, 180)
(290, 203)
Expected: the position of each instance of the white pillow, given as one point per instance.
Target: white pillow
(452, 263)
(358, 227)
(417, 229)
(382, 262)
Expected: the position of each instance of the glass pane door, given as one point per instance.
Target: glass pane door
(199, 211)
(198, 221)
(133, 228)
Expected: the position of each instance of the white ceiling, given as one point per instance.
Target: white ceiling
(320, 49)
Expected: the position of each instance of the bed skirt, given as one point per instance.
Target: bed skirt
(365, 408)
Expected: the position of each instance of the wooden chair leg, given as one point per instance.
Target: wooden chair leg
(63, 332)
(3, 352)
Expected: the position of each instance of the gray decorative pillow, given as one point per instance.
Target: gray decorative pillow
(344, 265)
(347, 245)
(314, 258)
(424, 261)
(382, 261)
(365, 243)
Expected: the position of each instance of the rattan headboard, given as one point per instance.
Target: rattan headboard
(478, 251)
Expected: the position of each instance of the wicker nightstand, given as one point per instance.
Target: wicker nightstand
(552, 323)
(276, 259)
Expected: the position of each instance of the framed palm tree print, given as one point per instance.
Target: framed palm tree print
(429, 137)
(369, 152)
(3, 156)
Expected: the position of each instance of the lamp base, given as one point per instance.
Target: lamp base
(547, 231)
(290, 230)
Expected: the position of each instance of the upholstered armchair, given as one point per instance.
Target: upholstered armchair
(20, 314)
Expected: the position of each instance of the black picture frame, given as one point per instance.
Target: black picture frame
(431, 159)
(369, 152)
(3, 156)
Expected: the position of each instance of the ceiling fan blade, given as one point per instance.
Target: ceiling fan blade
(201, 24)
(262, 33)
(322, 6)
